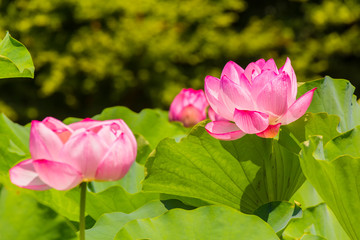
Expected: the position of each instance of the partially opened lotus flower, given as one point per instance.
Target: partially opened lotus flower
(64, 156)
(256, 100)
(188, 107)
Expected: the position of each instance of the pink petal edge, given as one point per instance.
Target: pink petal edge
(224, 130)
(44, 142)
(117, 161)
(251, 121)
(212, 93)
(270, 65)
(55, 124)
(24, 175)
(298, 108)
(233, 71)
(60, 176)
(289, 70)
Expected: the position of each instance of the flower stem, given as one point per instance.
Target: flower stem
(270, 172)
(82, 210)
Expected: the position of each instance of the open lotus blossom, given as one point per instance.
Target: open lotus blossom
(188, 107)
(63, 156)
(256, 100)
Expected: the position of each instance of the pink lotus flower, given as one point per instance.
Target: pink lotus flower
(64, 156)
(189, 107)
(256, 100)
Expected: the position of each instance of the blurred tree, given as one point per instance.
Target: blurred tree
(94, 54)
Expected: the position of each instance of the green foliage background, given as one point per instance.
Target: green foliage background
(92, 54)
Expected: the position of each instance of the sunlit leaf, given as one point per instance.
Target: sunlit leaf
(15, 60)
(332, 97)
(18, 134)
(14, 140)
(210, 222)
(243, 174)
(22, 217)
(317, 220)
(335, 175)
(109, 224)
(306, 196)
(278, 214)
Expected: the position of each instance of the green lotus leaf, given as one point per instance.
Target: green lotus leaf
(334, 96)
(209, 222)
(22, 217)
(317, 221)
(278, 214)
(15, 60)
(334, 173)
(243, 174)
(110, 223)
(333, 110)
(307, 196)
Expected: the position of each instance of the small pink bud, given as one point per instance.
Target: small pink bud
(189, 107)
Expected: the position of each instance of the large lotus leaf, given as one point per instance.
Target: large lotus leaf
(336, 179)
(345, 144)
(18, 134)
(14, 143)
(322, 124)
(22, 217)
(209, 222)
(278, 214)
(153, 124)
(243, 174)
(109, 224)
(317, 220)
(307, 196)
(334, 96)
(15, 60)
(10, 154)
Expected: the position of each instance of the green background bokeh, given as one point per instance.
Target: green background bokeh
(90, 55)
